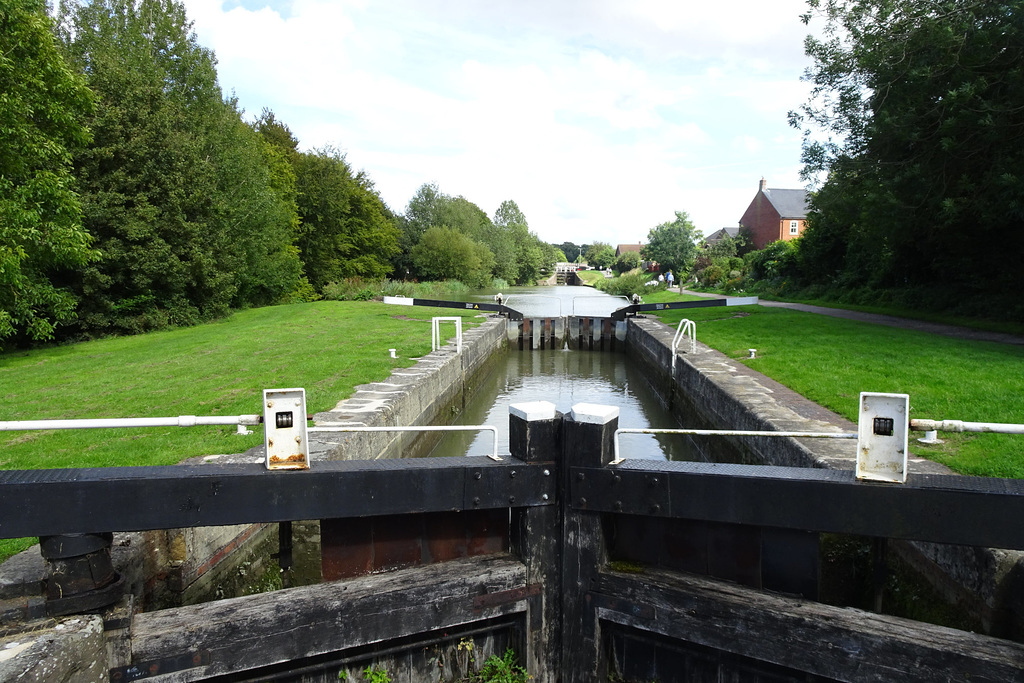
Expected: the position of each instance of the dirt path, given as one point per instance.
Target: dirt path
(889, 320)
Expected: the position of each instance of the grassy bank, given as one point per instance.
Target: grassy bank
(830, 361)
(589, 277)
(216, 369)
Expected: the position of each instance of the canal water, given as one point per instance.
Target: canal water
(565, 378)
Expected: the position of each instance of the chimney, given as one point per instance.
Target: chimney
(763, 183)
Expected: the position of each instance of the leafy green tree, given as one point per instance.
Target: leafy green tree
(347, 230)
(627, 261)
(146, 186)
(42, 104)
(673, 245)
(599, 255)
(571, 250)
(180, 194)
(920, 113)
(524, 247)
(254, 203)
(444, 253)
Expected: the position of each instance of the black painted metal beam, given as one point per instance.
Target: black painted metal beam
(472, 306)
(633, 309)
(45, 502)
(973, 511)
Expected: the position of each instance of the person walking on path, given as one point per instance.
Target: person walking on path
(669, 277)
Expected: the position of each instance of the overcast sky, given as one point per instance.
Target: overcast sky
(598, 118)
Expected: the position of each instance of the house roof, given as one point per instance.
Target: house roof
(789, 203)
(628, 247)
(719, 234)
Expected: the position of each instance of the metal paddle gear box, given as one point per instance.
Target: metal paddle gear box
(882, 433)
(284, 429)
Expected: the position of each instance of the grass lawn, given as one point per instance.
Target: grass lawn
(830, 361)
(216, 369)
(589, 277)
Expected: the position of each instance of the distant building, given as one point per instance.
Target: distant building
(775, 214)
(719, 235)
(635, 248)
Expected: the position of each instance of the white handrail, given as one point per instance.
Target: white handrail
(435, 332)
(960, 426)
(444, 428)
(180, 421)
(686, 327)
(728, 432)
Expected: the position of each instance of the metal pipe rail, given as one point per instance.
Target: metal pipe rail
(179, 421)
(686, 327)
(443, 428)
(960, 426)
(727, 432)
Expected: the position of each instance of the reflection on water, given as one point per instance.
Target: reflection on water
(555, 301)
(566, 378)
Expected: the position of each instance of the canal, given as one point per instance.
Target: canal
(564, 378)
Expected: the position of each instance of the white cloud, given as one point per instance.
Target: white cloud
(599, 119)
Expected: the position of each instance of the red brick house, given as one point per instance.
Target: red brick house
(775, 214)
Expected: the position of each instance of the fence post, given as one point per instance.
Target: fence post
(588, 432)
(535, 431)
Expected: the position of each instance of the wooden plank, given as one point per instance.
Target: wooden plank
(50, 502)
(256, 631)
(536, 539)
(977, 511)
(844, 644)
(587, 444)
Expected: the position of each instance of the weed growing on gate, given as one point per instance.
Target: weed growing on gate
(373, 674)
(502, 669)
(831, 360)
(219, 368)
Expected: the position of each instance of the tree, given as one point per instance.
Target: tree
(673, 245)
(599, 255)
(429, 208)
(42, 106)
(175, 187)
(446, 254)
(627, 261)
(347, 230)
(922, 110)
(572, 251)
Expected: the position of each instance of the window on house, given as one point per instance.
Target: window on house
(794, 228)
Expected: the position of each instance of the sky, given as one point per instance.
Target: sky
(599, 118)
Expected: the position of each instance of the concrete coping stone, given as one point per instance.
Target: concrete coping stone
(592, 413)
(533, 410)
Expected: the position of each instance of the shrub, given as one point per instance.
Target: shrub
(629, 284)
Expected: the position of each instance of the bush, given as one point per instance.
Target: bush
(629, 284)
(353, 289)
(775, 260)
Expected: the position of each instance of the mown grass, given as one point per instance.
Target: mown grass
(220, 368)
(831, 360)
(589, 277)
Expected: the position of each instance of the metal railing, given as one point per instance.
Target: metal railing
(726, 432)
(686, 328)
(435, 332)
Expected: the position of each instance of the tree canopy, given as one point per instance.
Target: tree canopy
(42, 104)
(916, 123)
(505, 246)
(674, 244)
(188, 217)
